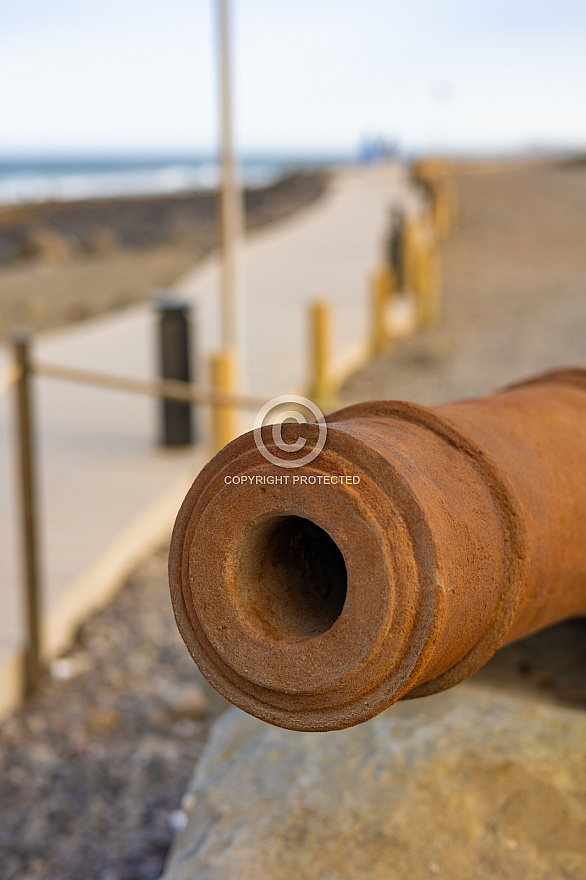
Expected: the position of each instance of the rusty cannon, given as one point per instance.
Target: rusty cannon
(393, 565)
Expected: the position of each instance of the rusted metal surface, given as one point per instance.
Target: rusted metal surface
(446, 533)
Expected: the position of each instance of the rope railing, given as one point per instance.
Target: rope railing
(410, 276)
(171, 389)
(220, 397)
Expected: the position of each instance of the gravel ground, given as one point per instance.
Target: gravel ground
(92, 771)
(514, 292)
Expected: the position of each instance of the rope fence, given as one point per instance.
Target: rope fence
(171, 389)
(410, 274)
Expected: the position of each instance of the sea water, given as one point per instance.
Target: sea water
(62, 178)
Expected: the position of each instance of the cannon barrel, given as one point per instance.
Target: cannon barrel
(395, 564)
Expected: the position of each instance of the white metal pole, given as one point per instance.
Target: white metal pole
(231, 211)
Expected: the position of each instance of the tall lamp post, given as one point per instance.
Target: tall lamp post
(231, 208)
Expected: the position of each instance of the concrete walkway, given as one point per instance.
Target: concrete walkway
(107, 493)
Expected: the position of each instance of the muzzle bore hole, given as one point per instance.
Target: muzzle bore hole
(292, 576)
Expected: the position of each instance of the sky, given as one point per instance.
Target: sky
(310, 76)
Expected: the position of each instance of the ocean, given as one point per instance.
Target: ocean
(66, 178)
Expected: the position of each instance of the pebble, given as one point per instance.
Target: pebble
(188, 701)
(93, 770)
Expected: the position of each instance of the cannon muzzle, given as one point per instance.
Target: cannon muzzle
(394, 564)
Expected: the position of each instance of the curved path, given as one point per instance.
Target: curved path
(107, 493)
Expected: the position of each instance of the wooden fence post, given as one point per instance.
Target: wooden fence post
(382, 290)
(320, 350)
(224, 427)
(28, 513)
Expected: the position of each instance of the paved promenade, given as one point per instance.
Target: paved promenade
(107, 493)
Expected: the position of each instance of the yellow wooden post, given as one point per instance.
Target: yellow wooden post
(418, 263)
(411, 244)
(439, 218)
(382, 290)
(320, 350)
(445, 208)
(454, 205)
(224, 423)
(428, 289)
(406, 250)
(433, 300)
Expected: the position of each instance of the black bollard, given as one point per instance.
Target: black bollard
(178, 427)
(395, 247)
